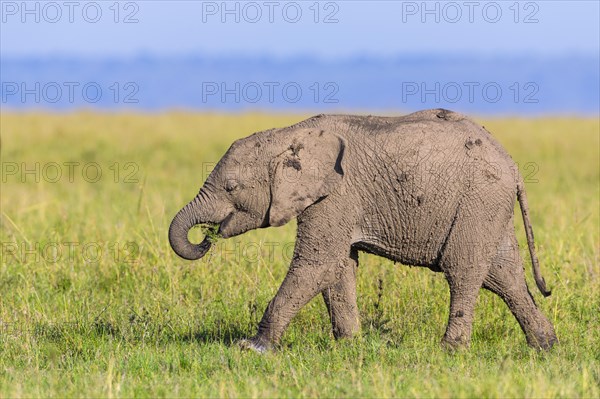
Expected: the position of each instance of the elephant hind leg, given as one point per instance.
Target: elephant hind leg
(464, 288)
(465, 264)
(506, 278)
(466, 258)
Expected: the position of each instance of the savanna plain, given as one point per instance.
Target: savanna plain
(94, 303)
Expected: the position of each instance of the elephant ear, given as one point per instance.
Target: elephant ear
(308, 170)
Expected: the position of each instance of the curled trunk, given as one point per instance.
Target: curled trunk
(191, 215)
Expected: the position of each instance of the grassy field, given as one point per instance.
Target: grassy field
(94, 303)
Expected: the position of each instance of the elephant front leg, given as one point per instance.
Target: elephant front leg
(319, 262)
(340, 299)
(304, 281)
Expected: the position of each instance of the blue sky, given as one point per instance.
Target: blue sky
(541, 57)
(353, 28)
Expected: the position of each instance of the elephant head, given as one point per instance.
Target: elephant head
(266, 179)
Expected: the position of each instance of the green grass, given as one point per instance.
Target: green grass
(135, 320)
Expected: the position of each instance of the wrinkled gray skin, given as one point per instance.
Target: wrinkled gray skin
(430, 189)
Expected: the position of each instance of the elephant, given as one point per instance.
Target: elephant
(432, 188)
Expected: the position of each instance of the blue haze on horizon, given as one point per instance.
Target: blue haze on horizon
(531, 58)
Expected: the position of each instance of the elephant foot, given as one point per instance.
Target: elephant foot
(542, 340)
(256, 344)
(345, 334)
(453, 344)
(346, 330)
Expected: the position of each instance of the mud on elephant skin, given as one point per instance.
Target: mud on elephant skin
(431, 189)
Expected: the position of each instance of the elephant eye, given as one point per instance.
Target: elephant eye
(230, 185)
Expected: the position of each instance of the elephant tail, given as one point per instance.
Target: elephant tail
(522, 197)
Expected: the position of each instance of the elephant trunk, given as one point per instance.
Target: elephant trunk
(191, 215)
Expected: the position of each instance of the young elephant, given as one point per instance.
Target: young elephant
(430, 189)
